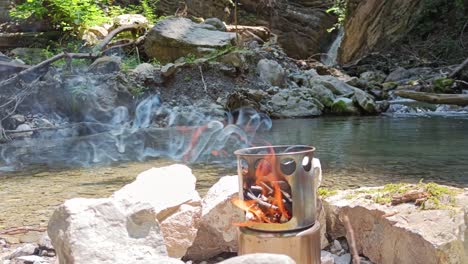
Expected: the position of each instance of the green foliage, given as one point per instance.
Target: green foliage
(75, 15)
(130, 63)
(442, 85)
(324, 192)
(191, 58)
(436, 194)
(145, 8)
(339, 107)
(64, 14)
(339, 9)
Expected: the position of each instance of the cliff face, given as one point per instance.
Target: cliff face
(301, 25)
(374, 24)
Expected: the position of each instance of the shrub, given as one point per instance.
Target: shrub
(63, 14)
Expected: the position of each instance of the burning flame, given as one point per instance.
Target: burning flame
(268, 206)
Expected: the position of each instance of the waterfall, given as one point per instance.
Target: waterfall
(329, 59)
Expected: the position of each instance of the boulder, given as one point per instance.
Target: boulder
(245, 98)
(217, 233)
(106, 64)
(337, 86)
(398, 74)
(26, 250)
(129, 19)
(271, 72)
(31, 260)
(343, 259)
(326, 257)
(344, 106)
(177, 37)
(171, 193)
(292, 103)
(372, 77)
(144, 71)
(14, 121)
(403, 233)
(236, 59)
(105, 231)
(365, 101)
(215, 22)
(23, 127)
(301, 26)
(168, 70)
(93, 35)
(324, 95)
(260, 258)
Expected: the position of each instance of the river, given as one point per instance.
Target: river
(364, 151)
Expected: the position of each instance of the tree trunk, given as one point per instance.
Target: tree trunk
(452, 99)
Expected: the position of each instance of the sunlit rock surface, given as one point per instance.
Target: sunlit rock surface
(374, 24)
(217, 233)
(301, 26)
(177, 37)
(87, 231)
(260, 258)
(171, 192)
(156, 215)
(401, 234)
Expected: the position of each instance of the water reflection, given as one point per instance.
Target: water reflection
(373, 151)
(354, 152)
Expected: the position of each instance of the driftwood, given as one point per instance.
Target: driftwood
(459, 69)
(21, 230)
(452, 99)
(97, 52)
(411, 196)
(352, 240)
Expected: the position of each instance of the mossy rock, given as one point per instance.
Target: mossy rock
(442, 85)
(343, 106)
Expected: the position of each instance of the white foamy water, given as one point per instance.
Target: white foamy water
(330, 58)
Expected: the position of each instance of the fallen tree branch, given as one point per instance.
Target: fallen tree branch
(202, 78)
(21, 230)
(97, 52)
(7, 68)
(352, 240)
(45, 64)
(99, 47)
(459, 69)
(451, 99)
(411, 196)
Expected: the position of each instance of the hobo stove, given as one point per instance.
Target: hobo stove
(278, 190)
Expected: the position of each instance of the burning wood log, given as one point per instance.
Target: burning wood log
(261, 202)
(411, 196)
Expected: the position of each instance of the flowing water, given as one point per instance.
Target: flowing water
(354, 152)
(330, 58)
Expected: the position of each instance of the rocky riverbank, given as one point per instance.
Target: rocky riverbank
(200, 230)
(200, 67)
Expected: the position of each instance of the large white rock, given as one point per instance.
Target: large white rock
(217, 233)
(177, 37)
(156, 215)
(103, 231)
(407, 236)
(171, 192)
(260, 258)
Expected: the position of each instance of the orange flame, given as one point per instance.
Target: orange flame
(268, 179)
